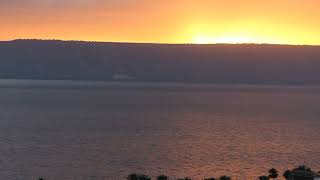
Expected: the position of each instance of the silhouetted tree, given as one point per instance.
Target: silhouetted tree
(144, 177)
(138, 177)
(162, 177)
(273, 173)
(287, 174)
(225, 178)
(133, 177)
(263, 178)
(212, 178)
(303, 168)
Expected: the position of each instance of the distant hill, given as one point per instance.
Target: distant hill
(221, 63)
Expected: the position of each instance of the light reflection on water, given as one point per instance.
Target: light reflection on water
(65, 133)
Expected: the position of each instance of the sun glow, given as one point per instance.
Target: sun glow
(223, 39)
(204, 39)
(234, 40)
(144, 21)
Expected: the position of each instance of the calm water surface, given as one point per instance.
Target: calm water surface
(90, 131)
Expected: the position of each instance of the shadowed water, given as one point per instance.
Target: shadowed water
(81, 131)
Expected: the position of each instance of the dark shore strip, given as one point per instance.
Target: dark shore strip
(301, 172)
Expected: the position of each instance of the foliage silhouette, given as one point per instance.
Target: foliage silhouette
(144, 177)
(162, 177)
(133, 177)
(287, 174)
(225, 178)
(263, 178)
(303, 168)
(273, 173)
(138, 177)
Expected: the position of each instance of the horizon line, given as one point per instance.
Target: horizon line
(156, 43)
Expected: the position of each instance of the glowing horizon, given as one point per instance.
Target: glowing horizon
(163, 21)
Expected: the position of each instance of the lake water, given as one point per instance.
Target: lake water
(80, 130)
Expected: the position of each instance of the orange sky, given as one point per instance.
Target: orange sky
(163, 21)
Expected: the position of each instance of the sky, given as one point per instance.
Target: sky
(163, 21)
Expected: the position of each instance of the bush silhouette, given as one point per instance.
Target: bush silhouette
(263, 178)
(287, 174)
(162, 177)
(144, 177)
(133, 177)
(138, 177)
(225, 178)
(303, 168)
(273, 173)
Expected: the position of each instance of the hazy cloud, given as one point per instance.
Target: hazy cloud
(58, 8)
(65, 3)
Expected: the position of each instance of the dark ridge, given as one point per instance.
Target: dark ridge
(187, 63)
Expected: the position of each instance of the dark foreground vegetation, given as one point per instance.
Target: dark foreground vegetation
(299, 173)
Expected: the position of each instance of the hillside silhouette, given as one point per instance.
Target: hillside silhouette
(219, 63)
